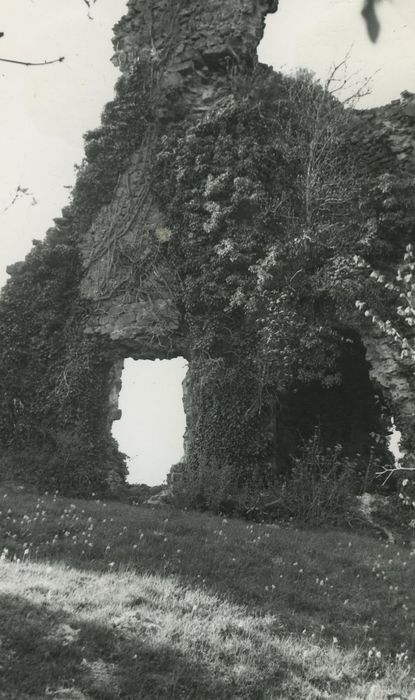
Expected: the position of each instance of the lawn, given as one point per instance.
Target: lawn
(105, 600)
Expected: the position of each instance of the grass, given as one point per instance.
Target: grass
(105, 600)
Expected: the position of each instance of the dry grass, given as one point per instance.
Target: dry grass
(110, 601)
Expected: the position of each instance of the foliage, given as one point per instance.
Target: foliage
(397, 295)
(266, 212)
(401, 289)
(54, 378)
(320, 487)
(124, 124)
(262, 198)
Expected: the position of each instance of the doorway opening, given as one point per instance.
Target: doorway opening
(152, 424)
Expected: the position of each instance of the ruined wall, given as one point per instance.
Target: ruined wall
(157, 274)
(190, 35)
(385, 137)
(189, 48)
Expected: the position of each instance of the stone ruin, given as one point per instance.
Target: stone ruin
(188, 44)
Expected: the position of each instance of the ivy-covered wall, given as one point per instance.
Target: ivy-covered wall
(218, 214)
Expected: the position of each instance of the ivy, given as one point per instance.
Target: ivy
(267, 210)
(264, 201)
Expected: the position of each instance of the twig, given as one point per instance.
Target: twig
(393, 470)
(20, 192)
(30, 63)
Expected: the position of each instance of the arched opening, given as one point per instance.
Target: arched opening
(150, 430)
(353, 413)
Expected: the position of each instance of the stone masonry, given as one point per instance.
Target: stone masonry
(188, 43)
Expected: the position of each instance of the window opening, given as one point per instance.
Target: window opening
(150, 430)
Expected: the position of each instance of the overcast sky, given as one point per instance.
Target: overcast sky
(44, 112)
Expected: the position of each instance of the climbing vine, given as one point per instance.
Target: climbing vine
(265, 212)
(263, 199)
(54, 378)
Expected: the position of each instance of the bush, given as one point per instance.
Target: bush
(320, 488)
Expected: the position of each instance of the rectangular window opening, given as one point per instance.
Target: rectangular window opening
(152, 424)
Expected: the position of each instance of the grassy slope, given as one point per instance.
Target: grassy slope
(105, 600)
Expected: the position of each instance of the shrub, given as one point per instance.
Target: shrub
(320, 487)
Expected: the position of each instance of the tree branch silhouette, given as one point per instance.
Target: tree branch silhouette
(18, 194)
(31, 63)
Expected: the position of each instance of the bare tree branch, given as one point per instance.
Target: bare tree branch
(387, 472)
(18, 194)
(30, 63)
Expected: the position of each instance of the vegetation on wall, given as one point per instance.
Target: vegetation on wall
(124, 124)
(266, 208)
(268, 219)
(54, 379)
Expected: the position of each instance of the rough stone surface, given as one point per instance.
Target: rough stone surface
(385, 137)
(189, 44)
(397, 381)
(192, 54)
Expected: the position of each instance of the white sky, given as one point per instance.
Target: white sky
(153, 420)
(319, 33)
(44, 111)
